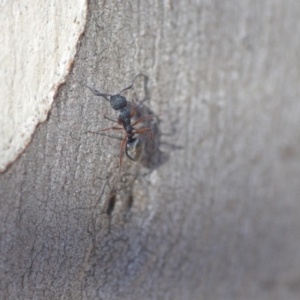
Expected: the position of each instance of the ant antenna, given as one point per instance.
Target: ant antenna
(129, 87)
(97, 93)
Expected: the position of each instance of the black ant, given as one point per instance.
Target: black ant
(134, 146)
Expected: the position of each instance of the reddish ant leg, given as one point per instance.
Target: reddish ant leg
(111, 128)
(122, 150)
(111, 118)
(133, 109)
(143, 130)
(105, 129)
(142, 119)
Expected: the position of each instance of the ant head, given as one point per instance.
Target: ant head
(117, 102)
(134, 148)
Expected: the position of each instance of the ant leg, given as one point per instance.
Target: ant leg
(143, 130)
(111, 118)
(105, 129)
(121, 151)
(133, 109)
(142, 119)
(111, 128)
(129, 87)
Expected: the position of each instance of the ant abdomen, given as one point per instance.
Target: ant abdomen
(134, 148)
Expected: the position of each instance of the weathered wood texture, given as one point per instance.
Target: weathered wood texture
(214, 213)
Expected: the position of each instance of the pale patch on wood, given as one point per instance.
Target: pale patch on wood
(37, 44)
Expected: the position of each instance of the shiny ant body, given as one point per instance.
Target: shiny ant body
(133, 145)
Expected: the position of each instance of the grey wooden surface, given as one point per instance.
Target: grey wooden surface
(212, 211)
